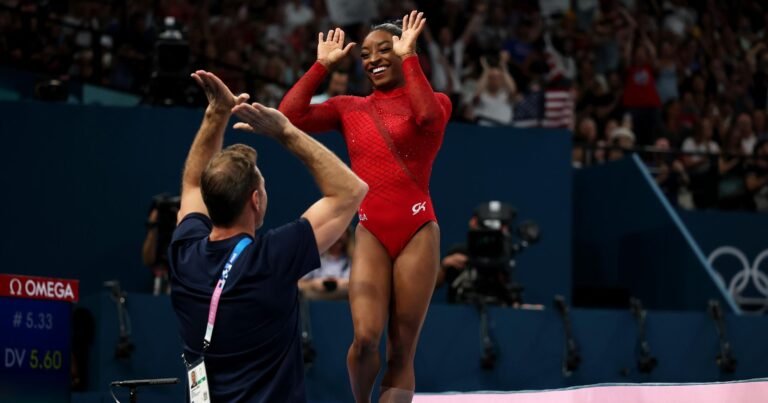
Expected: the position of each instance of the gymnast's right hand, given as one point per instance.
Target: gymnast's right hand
(257, 118)
(331, 49)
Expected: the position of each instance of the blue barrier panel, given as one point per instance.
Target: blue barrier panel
(736, 244)
(82, 178)
(627, 236)
(530, 346)
(96, 95)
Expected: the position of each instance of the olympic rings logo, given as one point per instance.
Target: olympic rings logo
(749, 273)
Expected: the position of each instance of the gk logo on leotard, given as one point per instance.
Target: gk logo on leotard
(419, 207)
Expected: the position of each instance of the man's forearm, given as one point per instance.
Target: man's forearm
(332, 176)
(208, 141)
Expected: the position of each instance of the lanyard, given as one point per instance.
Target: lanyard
(219, 287)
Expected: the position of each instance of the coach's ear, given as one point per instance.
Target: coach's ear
(256, 200)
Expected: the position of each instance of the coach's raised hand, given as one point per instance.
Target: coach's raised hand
(208, 141)
(331, 49)
(257, 118)
(220, 98)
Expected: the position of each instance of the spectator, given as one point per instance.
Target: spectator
(600, 101)
(337, 85)
(679, 18)
(331, 280)
(757, 176)
(673, 122)
(608, 30)
(297, 14)
(668, 171)
(666, 83)
(494, 95)
(700, 167)
(604, 141)
(273, 88)
(584, 138)
(154, 252)
(446, 55)
(731, 188)
(759, 123)
(495, 31)
(758, 61)
(622, 140)
(451, 266)
(640, 95)
(745, 132)
(560, 62)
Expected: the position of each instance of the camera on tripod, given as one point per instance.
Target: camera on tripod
(493, 242)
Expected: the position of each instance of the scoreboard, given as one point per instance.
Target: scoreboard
(35, 338)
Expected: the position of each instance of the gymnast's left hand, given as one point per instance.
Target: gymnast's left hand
(413, 24)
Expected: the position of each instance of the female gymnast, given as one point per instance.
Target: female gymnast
(393, 136)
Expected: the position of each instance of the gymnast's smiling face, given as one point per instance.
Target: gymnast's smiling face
(383, 67)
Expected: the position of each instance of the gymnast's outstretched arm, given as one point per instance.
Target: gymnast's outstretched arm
(430, 109)
(295, 104)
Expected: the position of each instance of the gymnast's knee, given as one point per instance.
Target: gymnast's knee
(366, 341)
(400, 357)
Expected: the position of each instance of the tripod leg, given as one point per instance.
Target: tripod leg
(308, 351)
(488, 358)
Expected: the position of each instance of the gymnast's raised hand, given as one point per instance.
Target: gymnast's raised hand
(405, 44)
(331, 49)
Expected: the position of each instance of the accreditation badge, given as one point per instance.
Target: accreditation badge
(198, 383)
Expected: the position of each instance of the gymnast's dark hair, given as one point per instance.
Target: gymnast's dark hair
(393, 27)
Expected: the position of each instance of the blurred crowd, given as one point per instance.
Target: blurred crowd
(621, 74)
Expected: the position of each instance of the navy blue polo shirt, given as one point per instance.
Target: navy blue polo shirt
(255, 352)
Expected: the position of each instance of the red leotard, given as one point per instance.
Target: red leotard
(392, 138)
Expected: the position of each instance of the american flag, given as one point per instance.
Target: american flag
(553, 107)
(559, 101)
(528, 111)
(558, 108)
